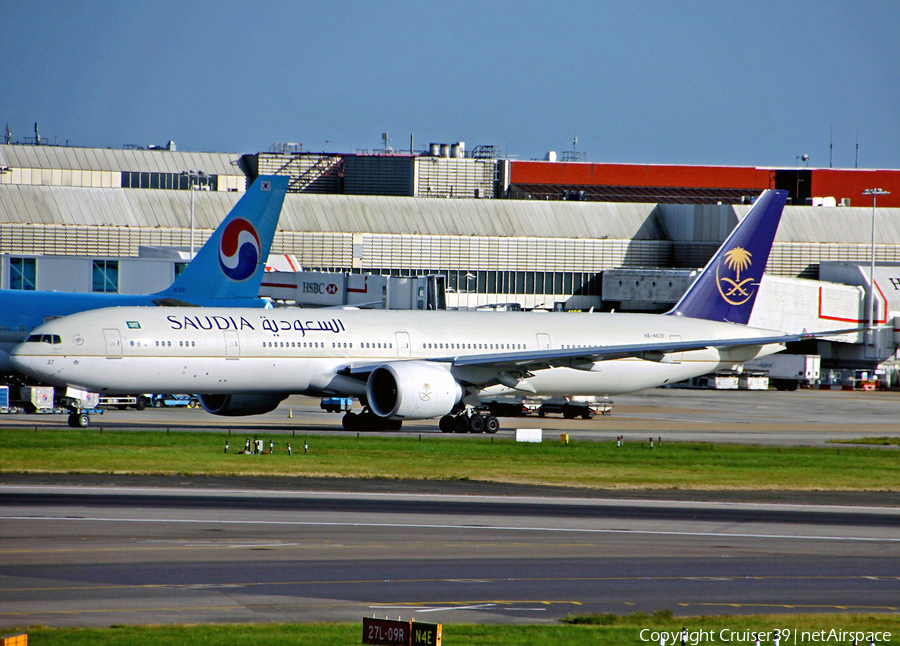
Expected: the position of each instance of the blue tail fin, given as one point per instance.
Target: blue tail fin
(726, 288)
(231, 263)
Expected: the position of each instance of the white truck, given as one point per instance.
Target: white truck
(788, 371)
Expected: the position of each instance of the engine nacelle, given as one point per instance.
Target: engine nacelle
(412, 390)
(239, 405)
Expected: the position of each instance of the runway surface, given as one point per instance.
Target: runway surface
(95, 555)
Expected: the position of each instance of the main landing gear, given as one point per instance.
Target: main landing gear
(465, 423)
(369, 421)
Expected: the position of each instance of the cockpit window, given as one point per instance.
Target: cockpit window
(53, 339)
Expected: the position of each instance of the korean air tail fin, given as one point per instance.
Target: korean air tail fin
(229, 266)
(726, 288)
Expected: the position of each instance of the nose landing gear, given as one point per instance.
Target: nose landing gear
(79, 419)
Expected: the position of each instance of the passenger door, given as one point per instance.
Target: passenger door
(232, 345)
(113, 339)
(404, 351)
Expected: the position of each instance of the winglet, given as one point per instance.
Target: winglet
(231, 263)
(726, 288)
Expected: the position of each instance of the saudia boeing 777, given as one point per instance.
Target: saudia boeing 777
(407, 365)
(227, 271)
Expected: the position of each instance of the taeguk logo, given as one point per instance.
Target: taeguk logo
(239, 250)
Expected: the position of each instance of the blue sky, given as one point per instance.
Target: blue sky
(645, 81)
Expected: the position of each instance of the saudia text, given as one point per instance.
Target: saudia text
(276, 326)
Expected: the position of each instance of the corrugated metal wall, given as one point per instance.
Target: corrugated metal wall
(379, 175)
(344, 231)
(440, 177)
(309, 173)
(102, 167)
(83, 240)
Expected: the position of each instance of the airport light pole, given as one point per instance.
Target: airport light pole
(193, 175)
(874, 192)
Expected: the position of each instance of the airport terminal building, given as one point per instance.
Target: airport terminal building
(530, 234)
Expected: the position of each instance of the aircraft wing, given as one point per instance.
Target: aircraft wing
(651, 351)
(584, 357)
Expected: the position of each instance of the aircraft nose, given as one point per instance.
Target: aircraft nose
(27, 358)
(18, 359)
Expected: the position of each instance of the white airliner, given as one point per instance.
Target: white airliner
(416, 364)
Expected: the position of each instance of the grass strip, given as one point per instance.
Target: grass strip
(674, 465)
(611, 629)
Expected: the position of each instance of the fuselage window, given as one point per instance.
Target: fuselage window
(379, 345)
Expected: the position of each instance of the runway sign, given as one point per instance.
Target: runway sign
(385, 632)
(426, 634)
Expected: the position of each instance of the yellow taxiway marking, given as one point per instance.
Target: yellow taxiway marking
(790, 606)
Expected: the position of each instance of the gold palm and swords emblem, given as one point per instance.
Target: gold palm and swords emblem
(736, 291)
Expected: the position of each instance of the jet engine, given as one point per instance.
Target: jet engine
(412, 390)
(239, 405)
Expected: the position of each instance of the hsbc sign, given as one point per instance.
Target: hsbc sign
(318, 288)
